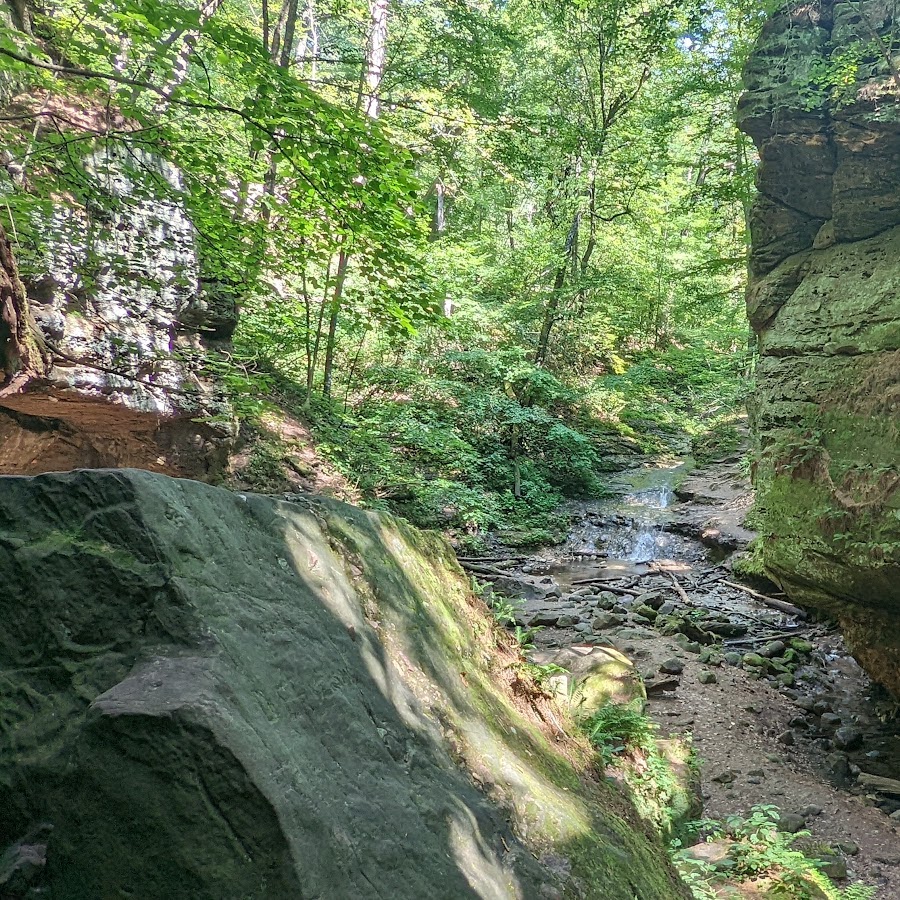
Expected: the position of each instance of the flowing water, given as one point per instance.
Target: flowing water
(623, 533)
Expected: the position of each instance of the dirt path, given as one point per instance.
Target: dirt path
(792, 728)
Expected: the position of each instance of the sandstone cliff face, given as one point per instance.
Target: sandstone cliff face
(208, 696)
(116, 293)
(824, 300)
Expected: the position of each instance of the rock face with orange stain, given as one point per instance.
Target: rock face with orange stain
(214, 695)
(126, 311)
(824, 300)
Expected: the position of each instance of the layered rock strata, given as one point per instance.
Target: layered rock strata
(122, 317)
(824, 300)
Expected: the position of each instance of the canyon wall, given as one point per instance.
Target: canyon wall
(824, 300)
(116, 309)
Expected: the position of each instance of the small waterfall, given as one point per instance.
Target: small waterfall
(647, 532)
(630, 529)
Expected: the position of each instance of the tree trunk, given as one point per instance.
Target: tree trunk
(375, 55)
(331, 343)
(552, 311)
(440, 214)
(290, 28)
(23, 353)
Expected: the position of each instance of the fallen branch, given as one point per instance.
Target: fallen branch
(485, 570)
(781, 605)
(876, 782)
(612, 588)
(681, 591)
(765, 638)
(501, 560)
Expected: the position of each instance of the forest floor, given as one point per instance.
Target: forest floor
(778, 711)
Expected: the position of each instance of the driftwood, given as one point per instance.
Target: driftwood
(486, 571)
(764, 639)
(878, 783)
(680, 589)
(612, 588)
(781, 605)
(500, 560)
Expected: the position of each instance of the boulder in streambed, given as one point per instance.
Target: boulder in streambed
(212, 696)
(592, 677)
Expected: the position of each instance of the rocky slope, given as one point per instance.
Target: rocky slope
(217, 695)
(824, 300)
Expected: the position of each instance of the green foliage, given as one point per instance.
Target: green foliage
(562, 179)
(627, 742)
(618, 728)
(759, 850)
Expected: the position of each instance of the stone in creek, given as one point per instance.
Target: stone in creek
(773, 649)
(653, 599)
(672, 666)
(754, 660)
(544, 618)
(832, 866)
(711, 657)
(791, 822)
(801, 646)
(605, 620)
(567, 621)
(831, 720)
(727, 629)
(648, 612)
(848, 848)
(732, 658)
(848, 738)
(707, 678)
(787, 738)
(785, 679)
(837, 766)
(686, 643)
(667, 608)
(726, 777)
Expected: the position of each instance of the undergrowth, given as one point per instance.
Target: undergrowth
(628, 744)
(759, 852)
(477, 443)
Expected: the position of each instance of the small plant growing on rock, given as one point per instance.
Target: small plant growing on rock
(757, 851)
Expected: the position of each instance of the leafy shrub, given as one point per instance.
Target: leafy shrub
(760, 850)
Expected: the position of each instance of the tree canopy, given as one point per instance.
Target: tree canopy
(482, 247)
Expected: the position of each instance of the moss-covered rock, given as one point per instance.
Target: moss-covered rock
(824, 299)
(214, 695)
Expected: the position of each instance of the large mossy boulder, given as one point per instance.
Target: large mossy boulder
(213, 695)
(824, 300)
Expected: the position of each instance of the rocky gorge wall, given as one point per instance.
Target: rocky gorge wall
(207, 694)
(119, 312)
(824, 300)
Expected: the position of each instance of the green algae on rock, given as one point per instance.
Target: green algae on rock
(824, 299)
(215, 695)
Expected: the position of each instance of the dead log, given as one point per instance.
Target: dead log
(879, 783)
(781, 605)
